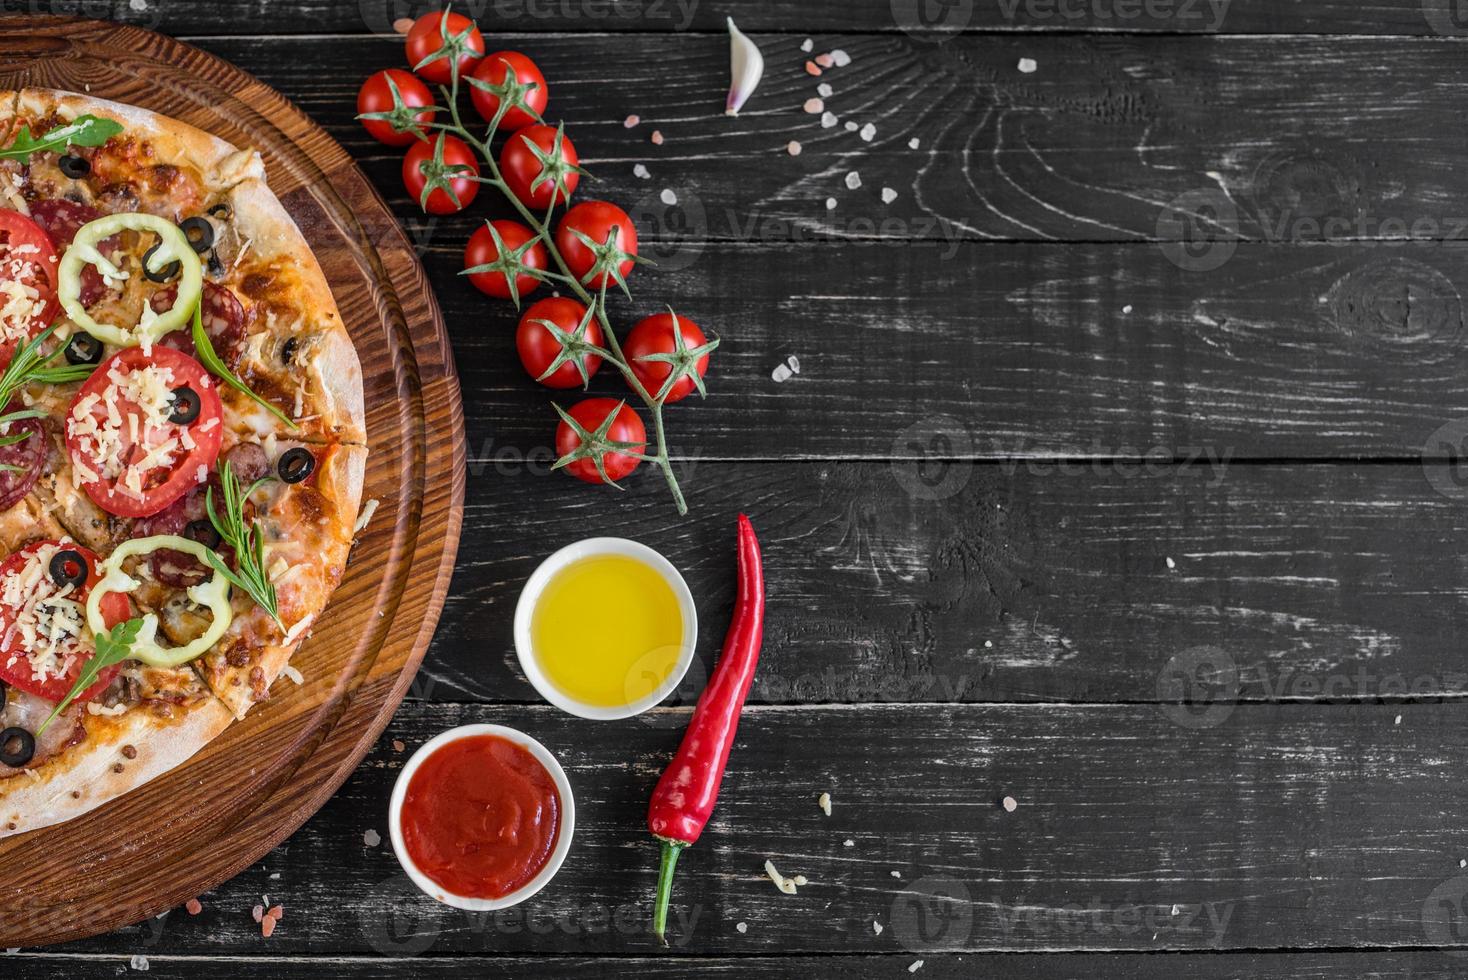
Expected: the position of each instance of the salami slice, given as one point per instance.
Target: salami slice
(175, 568)
(61, 219)
(21, 461)
(224, 322)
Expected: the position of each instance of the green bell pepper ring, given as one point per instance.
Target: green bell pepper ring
(173, 246)
(212, 594)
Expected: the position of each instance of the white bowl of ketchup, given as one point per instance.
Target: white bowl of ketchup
(481, 817)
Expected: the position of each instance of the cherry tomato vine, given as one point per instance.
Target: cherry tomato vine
(594, 244)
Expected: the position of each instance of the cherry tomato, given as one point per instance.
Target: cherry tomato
(376, 96)
(28, 257)
(521, 168)
(595, 220)
(492, 70)
(133, 452)
(654, 335)
(455, 153)
(481, 250)
(76, 574)
(427, 36)
(539, 347)
(590, 414)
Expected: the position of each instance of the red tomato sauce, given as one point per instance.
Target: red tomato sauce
(481, 816)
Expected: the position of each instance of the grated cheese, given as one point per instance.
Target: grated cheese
(368, 509)
(97, 424)
(40, 623)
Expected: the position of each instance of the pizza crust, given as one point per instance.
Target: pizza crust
(86, 776)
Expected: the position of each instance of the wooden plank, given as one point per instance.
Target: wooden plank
(1137, 966)
(1284, 828)
(1111, 139)
(1040, 582)
(935, 23)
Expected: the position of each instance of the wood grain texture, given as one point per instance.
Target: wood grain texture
(1110, 139)
(951, 582)
(1282, 827)
(252, 786)
(933, 23)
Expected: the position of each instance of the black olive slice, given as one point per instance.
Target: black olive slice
(295, 465)
(216, 267)
(162, 275)
(186, 405)
(203, 532)
(17, 747)
(68, 567)
(199, 232)
(288, 350)
(221, 211)
(83, 348)
(74, 167)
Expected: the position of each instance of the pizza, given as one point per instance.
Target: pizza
(182, 447)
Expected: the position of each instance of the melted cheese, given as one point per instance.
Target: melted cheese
(43, 624)
(126, 447)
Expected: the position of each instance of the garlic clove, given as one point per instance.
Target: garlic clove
(746, 68)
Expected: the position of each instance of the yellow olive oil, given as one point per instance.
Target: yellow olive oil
(607, 630)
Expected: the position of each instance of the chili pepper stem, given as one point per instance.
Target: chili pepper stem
(671, 850)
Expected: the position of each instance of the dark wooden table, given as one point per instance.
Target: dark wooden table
(1119, 477)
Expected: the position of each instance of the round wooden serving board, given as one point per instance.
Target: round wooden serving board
(254, 785)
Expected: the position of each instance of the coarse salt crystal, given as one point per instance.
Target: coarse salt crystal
(814, 106)
(258, 913)
(1171, 563)
(193, 906)
(830, 204)
(1027, 65)
(807, 45)
(631, 121)
(848, 842)
(888, 195)
(840, 58)
(1010, 804)
(641, 172)
(741, 927)
(850, 126)
(825, 60)
(868, 131)
(914, 143)
(828, 119)
(811, 68)
(824, 90)
(371, 838)
(876, 927)
(398, 745)
(403, 25)
(668, 197)
(793, 148)
(824, 802)
(656, 137)
(916, 966)
(1127, 308)
(897, 874)
(853, 180)
(139, 963)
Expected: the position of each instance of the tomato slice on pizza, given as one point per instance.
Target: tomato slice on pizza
(44, 639)
(143, 429)
(28, 278)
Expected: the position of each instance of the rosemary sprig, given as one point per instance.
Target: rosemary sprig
(112, 647)
(249, 547)
(29, 366)
(204, 347)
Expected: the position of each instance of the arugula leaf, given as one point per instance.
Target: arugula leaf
(112, 648)
(249, 547)
(87, 130)
(28, 366)
(205, 349)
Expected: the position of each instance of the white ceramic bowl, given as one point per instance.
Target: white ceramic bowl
(530, 595)
(432, 888)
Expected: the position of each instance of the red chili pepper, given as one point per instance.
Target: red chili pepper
(684, 798)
